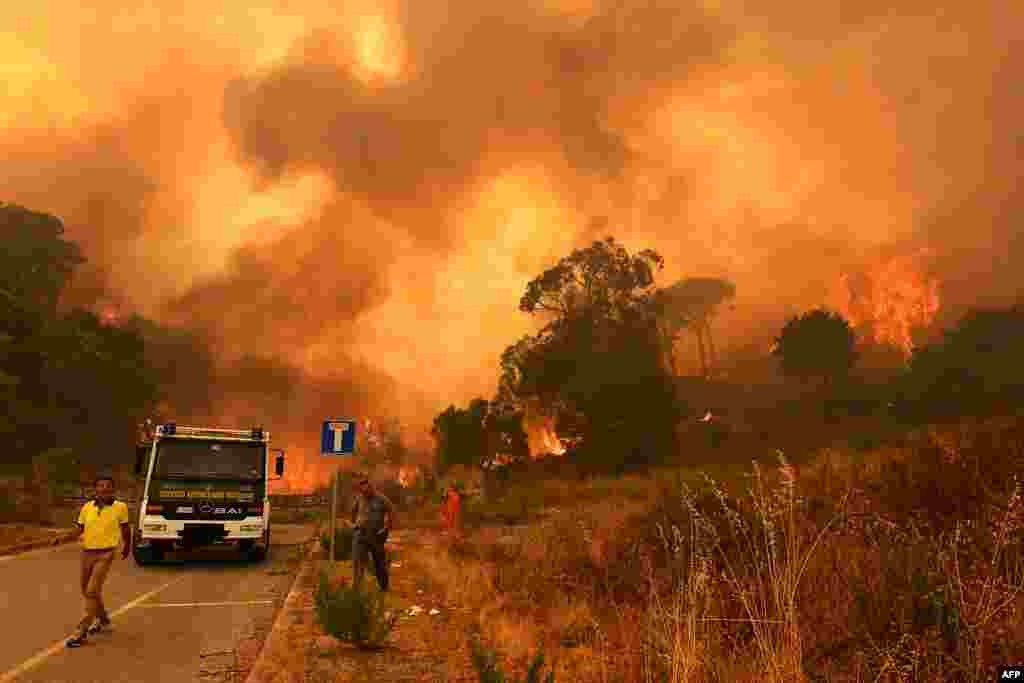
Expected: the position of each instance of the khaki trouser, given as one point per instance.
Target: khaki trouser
(95, 566)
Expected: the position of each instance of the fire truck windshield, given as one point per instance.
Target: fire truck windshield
(188, 459)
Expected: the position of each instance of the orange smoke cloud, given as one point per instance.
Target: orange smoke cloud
(347, 199)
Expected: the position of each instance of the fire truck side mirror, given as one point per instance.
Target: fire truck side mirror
(279, 465)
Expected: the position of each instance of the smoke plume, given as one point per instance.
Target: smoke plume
(353, 196)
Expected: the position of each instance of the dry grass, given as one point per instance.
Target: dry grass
(14, 534)
(895, 565)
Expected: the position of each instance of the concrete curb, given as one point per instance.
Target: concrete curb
(262, 669)
(19, 548)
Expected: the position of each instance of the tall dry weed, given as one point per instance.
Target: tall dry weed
(760, 553)
(995, 583)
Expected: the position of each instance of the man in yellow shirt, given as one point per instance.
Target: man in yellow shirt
(99, 523)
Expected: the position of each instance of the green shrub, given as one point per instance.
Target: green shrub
(353, 614)
(514, 507)
(342, 540)
(485, 661)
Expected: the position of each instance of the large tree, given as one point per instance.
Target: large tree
(818, 344)
(459, 437)
(596, 366)
(102, 385)
(36, 263)
(603, 281)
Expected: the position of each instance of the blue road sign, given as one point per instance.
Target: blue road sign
(338, 437)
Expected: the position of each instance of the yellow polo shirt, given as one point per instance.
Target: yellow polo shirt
(102, 526)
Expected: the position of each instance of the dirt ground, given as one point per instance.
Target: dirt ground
(422, 646)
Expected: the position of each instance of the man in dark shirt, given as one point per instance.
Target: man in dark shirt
(372, 519)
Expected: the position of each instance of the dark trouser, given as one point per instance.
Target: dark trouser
(368, 543)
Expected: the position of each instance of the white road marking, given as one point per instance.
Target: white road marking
(38, 658)
(209, 604)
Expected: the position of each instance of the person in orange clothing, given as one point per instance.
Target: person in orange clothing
(453, 516)
(445, 524)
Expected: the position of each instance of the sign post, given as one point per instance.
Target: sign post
(338, 437)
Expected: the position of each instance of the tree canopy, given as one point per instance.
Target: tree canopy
(603, 279)
(69, 381)
(691, 304)
(974, 367)
(596, 367)
(475, 435)
(818, 344)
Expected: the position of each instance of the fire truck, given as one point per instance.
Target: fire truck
(203, 487)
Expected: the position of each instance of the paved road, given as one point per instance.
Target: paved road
(170, 622)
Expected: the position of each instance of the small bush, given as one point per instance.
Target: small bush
(485, 661)
(342, 540)
(515, 507)
(353, 614)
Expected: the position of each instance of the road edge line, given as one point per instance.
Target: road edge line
(38, 658)
(284, 618)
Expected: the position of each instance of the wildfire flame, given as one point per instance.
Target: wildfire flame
(543, 439)
(890, 298)
(379, 51)
(407, 475)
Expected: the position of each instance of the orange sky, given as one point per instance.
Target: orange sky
(363, 189)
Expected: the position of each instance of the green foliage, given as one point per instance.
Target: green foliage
(459, 435)
(598, 365)
(353, 615)
(342, 542)
(473, 435)
(818, 344)
(603, 278)
(485, 661)
(975, 368)
(35, 263)
(104, 383)
(513, 506)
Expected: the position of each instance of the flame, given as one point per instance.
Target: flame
(408, 475)
(109, 314)
(542, 438)
(379, 50)
(889, 298)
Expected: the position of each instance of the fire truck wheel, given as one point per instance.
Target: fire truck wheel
(149, 555)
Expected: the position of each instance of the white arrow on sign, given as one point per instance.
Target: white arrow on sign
(339, 429)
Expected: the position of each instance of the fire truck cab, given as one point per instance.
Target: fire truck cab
(204, 487)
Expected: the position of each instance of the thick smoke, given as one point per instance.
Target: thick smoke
(348, 200)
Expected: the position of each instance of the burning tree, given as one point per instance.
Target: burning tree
(478, 435)
(596, 368)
